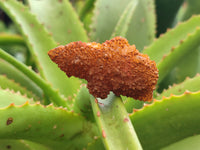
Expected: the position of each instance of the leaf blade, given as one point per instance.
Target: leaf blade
(29, 26)
(113, 121)
(122, 25)
(171, 117)
(160, 48)
(65, 28)
(63, 128)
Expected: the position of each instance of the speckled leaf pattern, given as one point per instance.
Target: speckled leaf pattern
(21, 145)
(65, 130)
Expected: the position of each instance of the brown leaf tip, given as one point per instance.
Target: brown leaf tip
(112, 66)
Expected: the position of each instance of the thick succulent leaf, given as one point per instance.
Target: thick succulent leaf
(167, 121)
(63, 22)
(185, 47)
(141, 29)
(15, 74)
(162, 51)
(65, 130)
(113, 122)
(190, 84)
(122, 25)
(106, 16)
(21, 145)
(87, 21)
(82, 103)
(160, 47)
(97, 145)
(190, 65)
(88, 6)
(7, 97)
(6, 83)
(189, 8)
(40, 42)
(192, 142)
(131, 103)
(166, 11)
(56, 98)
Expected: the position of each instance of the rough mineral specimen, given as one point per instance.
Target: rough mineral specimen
(112, 66)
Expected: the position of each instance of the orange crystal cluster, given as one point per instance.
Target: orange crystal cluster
(112, 66)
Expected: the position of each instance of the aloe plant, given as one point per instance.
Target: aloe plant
(42, 108)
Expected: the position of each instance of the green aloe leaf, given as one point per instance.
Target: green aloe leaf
(180, 42)
(187, 67)
(167, 121)
(82, 103)
(192, 142)
(63, 22)
(15, 74)
(131, 104)
(88, 6)
(190, 65)
(39, 43)
(189, 8)
(8, 96)
(190, 84)
(125, 19)
(97, 145)
(6, 83)
(64, 129)
(141, 29)
(114, 124)
(160, 47)
(102, 25)
(185, 47)
(21, 145)
(56, 98)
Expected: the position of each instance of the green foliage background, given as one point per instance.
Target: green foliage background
(41, 108)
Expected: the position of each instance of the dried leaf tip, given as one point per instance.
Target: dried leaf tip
(112, 66)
